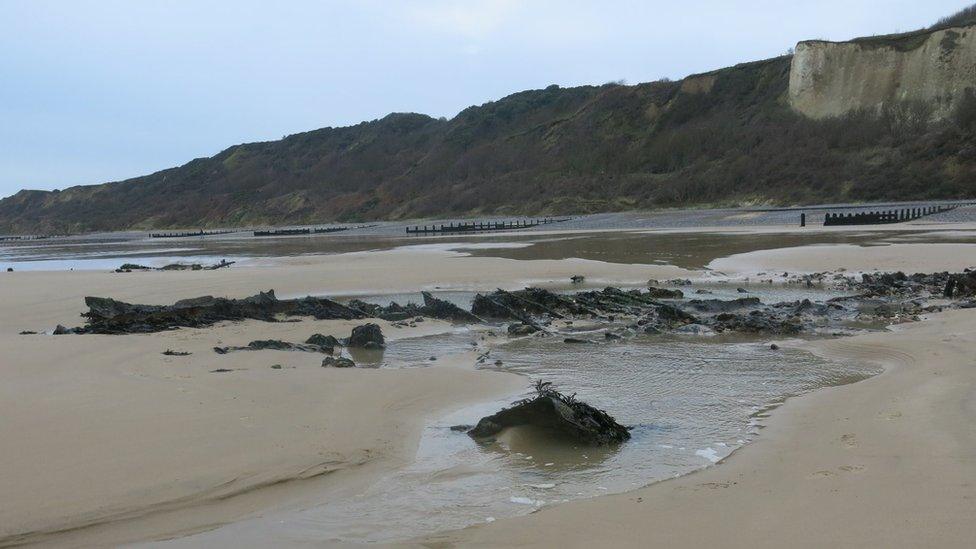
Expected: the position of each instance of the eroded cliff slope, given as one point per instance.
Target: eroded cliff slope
(933, 68)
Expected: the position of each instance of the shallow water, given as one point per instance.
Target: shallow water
(689, 400)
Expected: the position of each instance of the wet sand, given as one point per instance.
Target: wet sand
(908, 257)
(104, 430)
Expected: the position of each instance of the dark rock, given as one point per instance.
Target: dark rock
(664, 293)
(61, 330)
(276, 366)
(521, 329)
(461, 428)
(719, 305)
(576, 340)
(182, 267)
(577, 279)
(337, 362)
(742, 290)
(327, 342)
(367, 336)
(550, 409)
(673, 315)
(223, 263)
(129, 267)
(10, 269)
(774, 347)
(28, 332)
(221, 370)
(275, 345)
(609, 336)
(170, 352)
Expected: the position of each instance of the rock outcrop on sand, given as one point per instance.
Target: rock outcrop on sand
(275, 345)
(553, 410)
(325, 341)
(337, 362)
(367, 336)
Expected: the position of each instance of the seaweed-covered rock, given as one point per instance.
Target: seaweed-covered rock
(275, 345)
(327, 342)
(720, 305)
(367, 336)
(521, 329)
(551, 409)
(337, 362)
(664, 293)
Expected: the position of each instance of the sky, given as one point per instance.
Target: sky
(96, 91)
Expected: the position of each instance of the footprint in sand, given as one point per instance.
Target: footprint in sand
(822, 474)
(849, 440)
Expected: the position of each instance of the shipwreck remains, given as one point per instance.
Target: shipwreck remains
(550, 409)
(109, 316)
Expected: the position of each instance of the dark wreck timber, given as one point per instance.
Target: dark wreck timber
(109, 316)
(551, 410)
(533, 310)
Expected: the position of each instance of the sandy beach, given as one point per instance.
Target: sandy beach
(107, 441)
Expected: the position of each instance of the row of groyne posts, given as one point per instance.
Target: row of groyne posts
(184, 234)
(479, 226)
(266, 232)
(15, 238)
(880, 217)
(307, 230)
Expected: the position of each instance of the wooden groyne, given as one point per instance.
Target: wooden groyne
(482, 226)
(884, 216)
(16, 238)
(307, 231)
(185, 234)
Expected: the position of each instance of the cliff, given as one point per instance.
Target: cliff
(934, 68)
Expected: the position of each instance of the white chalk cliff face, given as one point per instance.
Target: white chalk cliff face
(830, 79)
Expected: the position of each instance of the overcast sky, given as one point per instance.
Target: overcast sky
(95, 91)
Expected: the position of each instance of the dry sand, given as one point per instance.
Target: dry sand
(887, 462)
